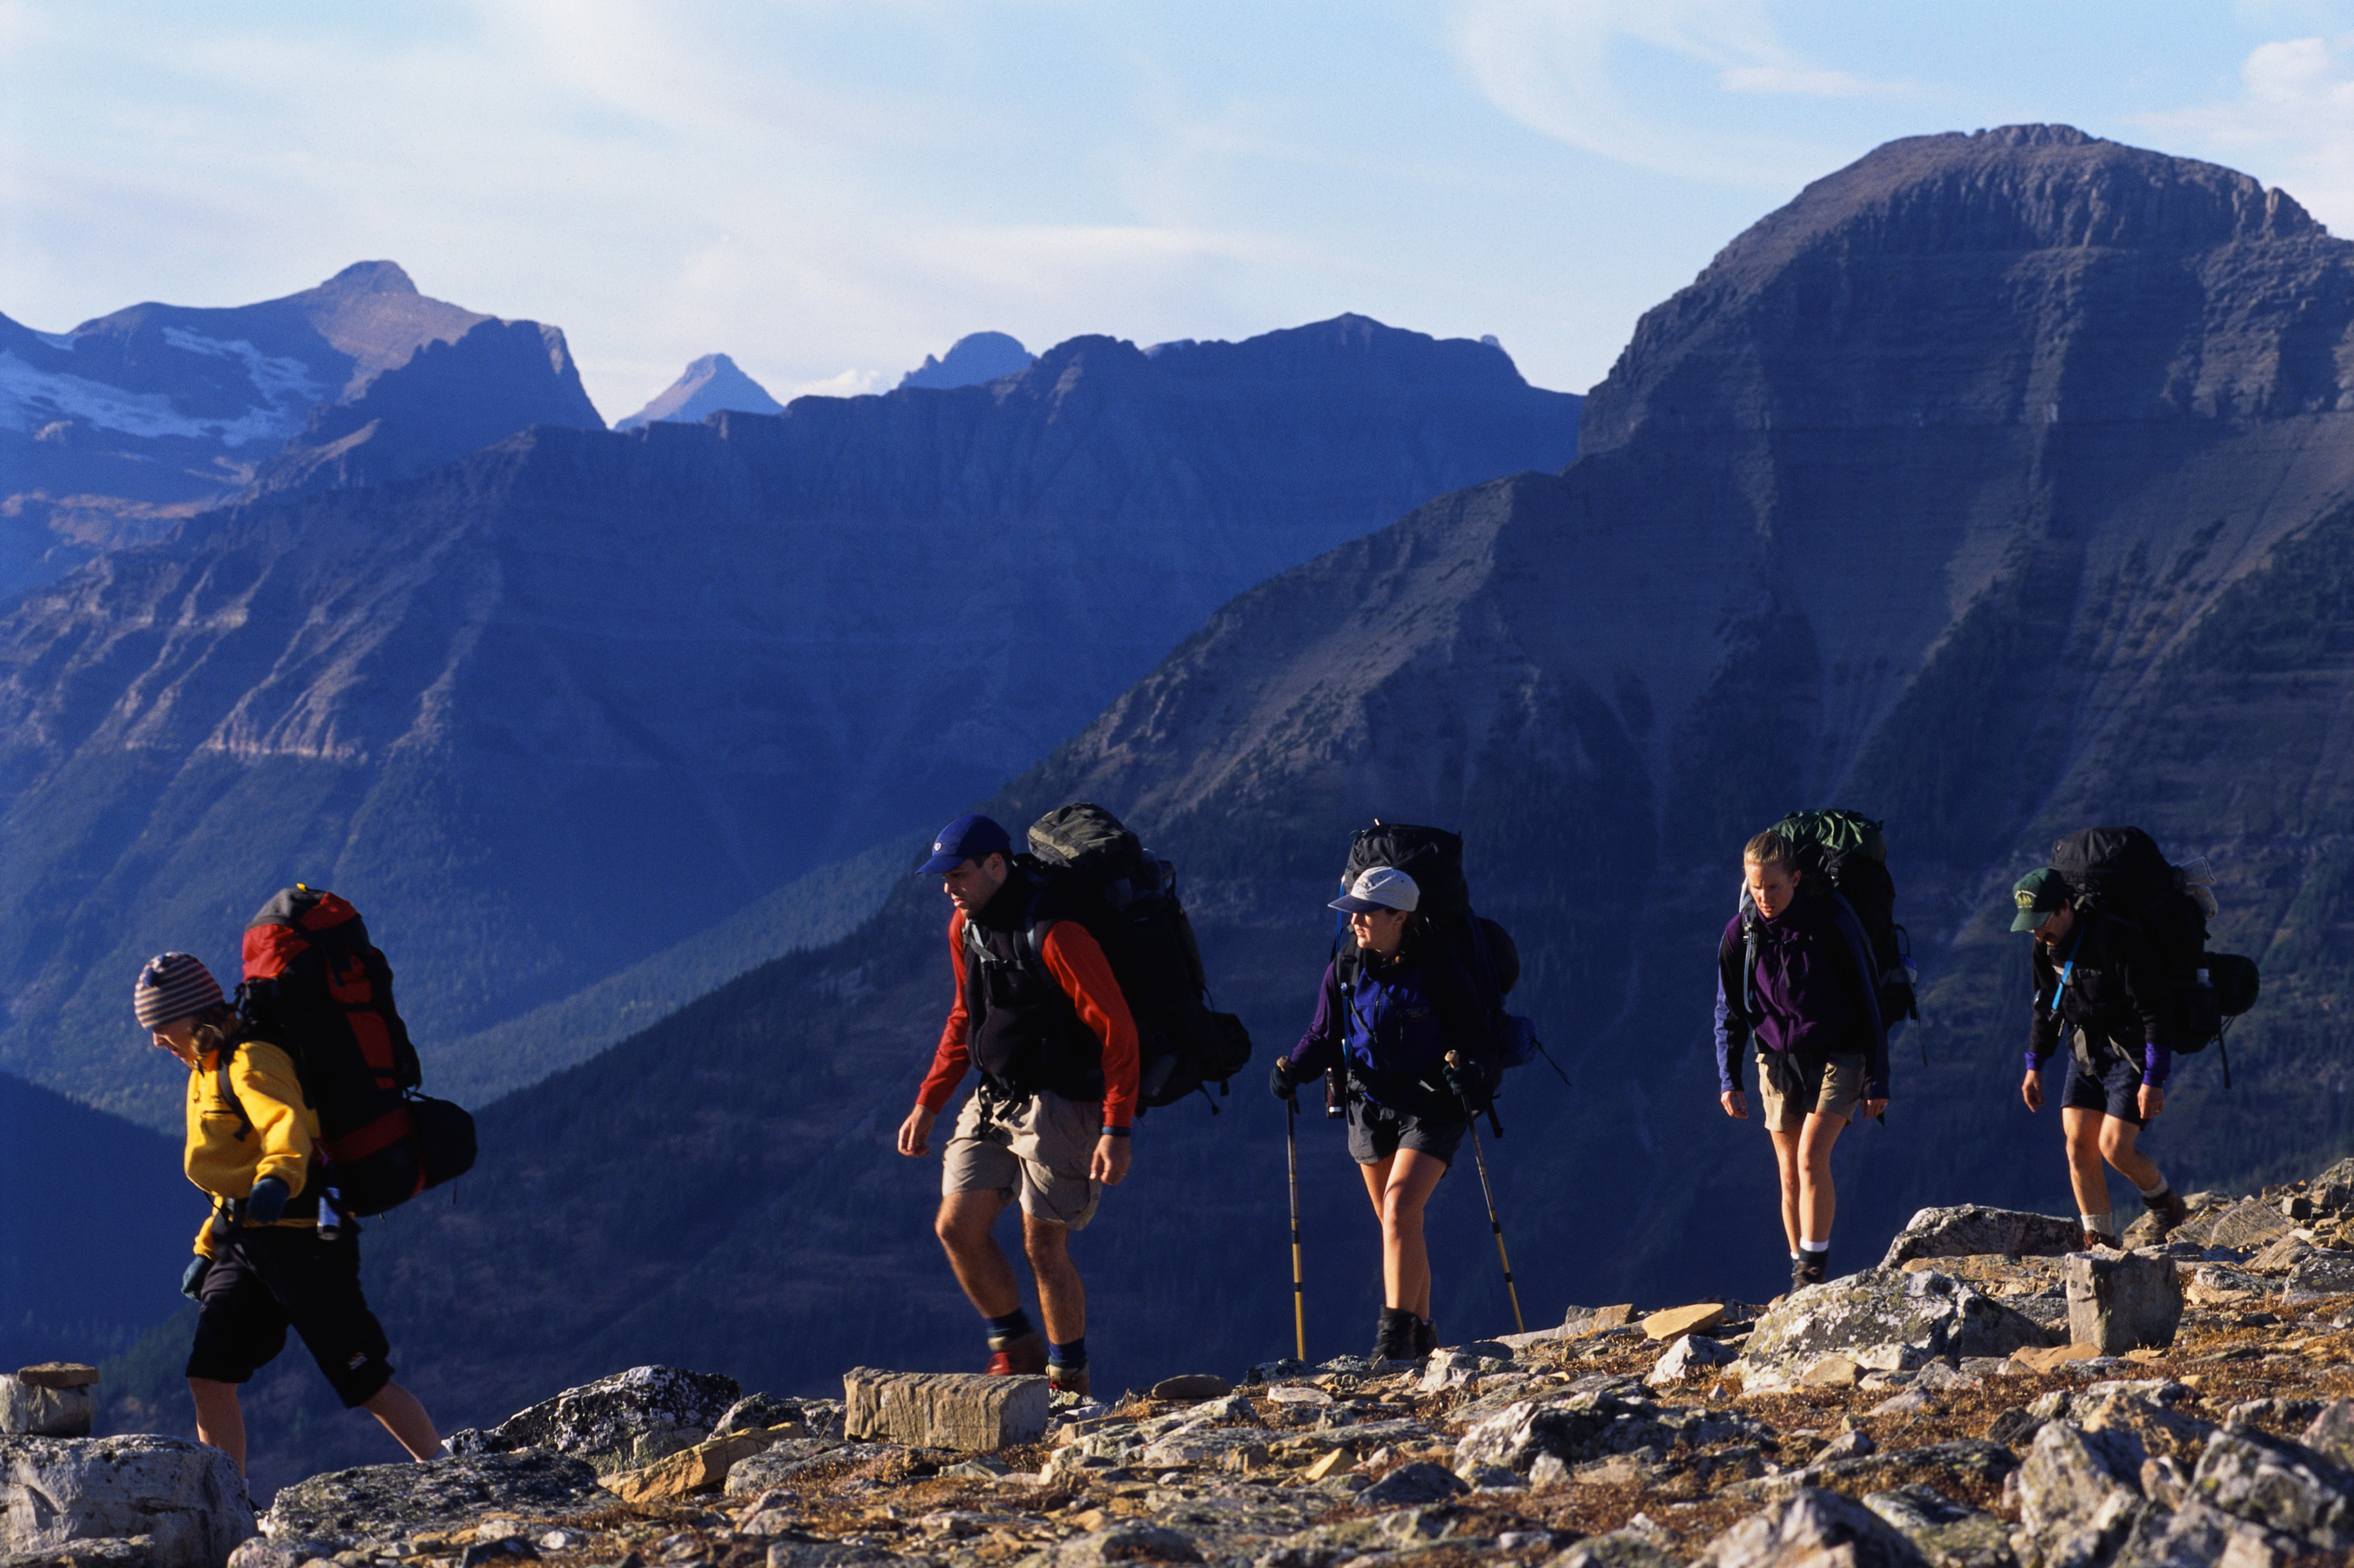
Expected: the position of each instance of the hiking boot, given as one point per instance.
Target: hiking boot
(1065, 1378)
(1394, 1340)
(1426, 1338)
(2170, 1212)
(1022, 1356)
(1811, 1268)
(2093, 1240)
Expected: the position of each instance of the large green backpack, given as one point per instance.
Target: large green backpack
(1846, 849)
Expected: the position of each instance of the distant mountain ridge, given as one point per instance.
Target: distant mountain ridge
(1985, 629)
(117, 431)
(544, 710)
(973, 359)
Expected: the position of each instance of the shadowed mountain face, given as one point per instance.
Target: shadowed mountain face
(1956, 604)
(552, 708)
(709, 385)
(118, 430)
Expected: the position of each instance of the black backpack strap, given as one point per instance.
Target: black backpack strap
(227, 1093)
(1749, 969)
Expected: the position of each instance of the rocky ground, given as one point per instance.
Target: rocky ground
(1937, 1409)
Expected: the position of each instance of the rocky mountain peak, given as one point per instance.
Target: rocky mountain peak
(369, 278)
(2150, 287)
(972, 359)
(707, 386)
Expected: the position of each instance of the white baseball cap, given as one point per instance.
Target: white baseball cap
(1379, 887)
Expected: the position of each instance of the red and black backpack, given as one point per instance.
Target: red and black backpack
(317, 987)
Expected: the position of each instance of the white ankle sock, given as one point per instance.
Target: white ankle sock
(2099, 1224)
(2154, 1193)
(1816, 1246)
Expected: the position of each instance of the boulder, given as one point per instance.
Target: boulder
(701, 1469)
(2279, 1485)
(2323, 1272)
(1593, 1419)
(1690, 1355)
(1930, 1312)
(2334, 1188)
(968, 1411)
(1814, 1527)
(1410, 1486)
(106, 1552)
(186, 1498)
(46, 1410)
(2331, 1435)
(1593, 1320)
(2079, 1491)
(784, 1463)
(622, 1421)
(383, 1501)
(2122, 1301)
(1193, 1387)
(1970, 1230)
(759, 1413)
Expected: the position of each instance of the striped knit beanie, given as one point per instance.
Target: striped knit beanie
(173, 985)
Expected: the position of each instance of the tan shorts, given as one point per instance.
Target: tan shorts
(1038, 1153)
(1831, 1085)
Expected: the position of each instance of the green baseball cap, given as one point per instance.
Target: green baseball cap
(2038, 893)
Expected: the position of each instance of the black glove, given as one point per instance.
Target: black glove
(192, 1283)
(1278, 1083)
(267, 1203)
(1468, 1085)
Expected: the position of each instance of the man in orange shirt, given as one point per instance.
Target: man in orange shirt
(1038, 1012)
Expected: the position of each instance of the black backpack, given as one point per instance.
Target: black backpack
(1847, 850)
(2120, 874)
(1085, 863)
(317, 987)
(1434, 858)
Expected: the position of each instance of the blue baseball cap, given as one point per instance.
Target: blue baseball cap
(970, 837)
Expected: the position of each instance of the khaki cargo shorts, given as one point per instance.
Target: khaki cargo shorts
(1037, 1152)
(1791, 1086)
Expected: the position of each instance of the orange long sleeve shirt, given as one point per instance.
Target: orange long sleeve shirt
(1079, 966)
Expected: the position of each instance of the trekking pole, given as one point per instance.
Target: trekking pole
(1481, 1160)
(1291, 1158)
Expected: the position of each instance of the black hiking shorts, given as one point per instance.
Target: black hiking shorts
(1376, 1132)
(2111, 1085)
(267, 1279)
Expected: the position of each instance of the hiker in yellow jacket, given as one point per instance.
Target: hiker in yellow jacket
(265, 1262)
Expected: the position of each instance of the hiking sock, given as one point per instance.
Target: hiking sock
(1074, 1354)
(1003, 1331)
(2153, 1195)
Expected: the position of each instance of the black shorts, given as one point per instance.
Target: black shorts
(266, 1280)
(2112, 1088)
(1376, 1132)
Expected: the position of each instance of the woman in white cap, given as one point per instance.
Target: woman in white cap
(263, 1263)
(1391, 1010)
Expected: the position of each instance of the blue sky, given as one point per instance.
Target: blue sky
(829, 191)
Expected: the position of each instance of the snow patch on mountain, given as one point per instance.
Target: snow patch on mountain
(31, 397)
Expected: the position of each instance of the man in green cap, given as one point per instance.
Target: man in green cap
(2097, 980)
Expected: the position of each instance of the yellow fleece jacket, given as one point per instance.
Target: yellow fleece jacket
(225, 1157)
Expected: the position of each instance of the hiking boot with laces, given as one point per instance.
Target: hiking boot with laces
(2171, 1212)
(1394, 1339)
(1022, 1356)
(1063, 1379)
(1426, 1336)
(1811, 1268)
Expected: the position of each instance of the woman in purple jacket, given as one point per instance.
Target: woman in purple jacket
(1791, 972)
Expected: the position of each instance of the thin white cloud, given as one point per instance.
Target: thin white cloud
(2294, 120)
(1563, 68)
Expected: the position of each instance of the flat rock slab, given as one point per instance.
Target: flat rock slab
(1593, 1320)
(2246, 1226)
(376, 1502)
(971, 1412)
(1932, 1312)
(187, 1499)
(1677, 1320)
(1193, 1386)
(57, 1374)
(2324, 1272)
(1971, 1229)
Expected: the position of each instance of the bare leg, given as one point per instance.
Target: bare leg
(2116, 1140)
(1818, 1203)
(405, 1419)
(1786, 1157)
(220, 1422)
(2081, 1129)
(981, 1265)
(1405, 1260)
(1062, 1295)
